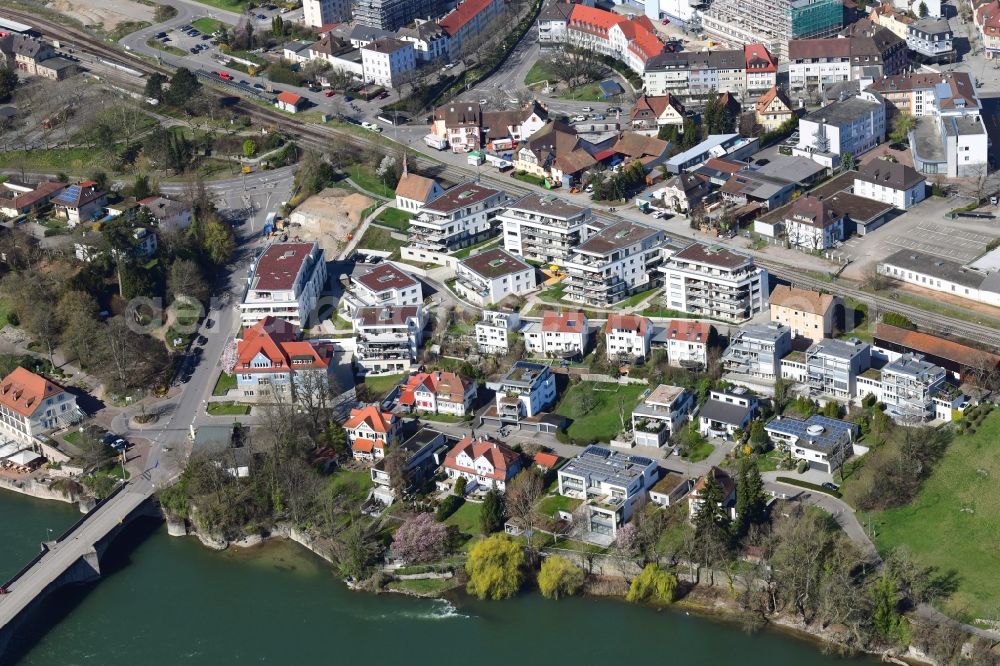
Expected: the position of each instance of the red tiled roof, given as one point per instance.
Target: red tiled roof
(290, 98)
(774, 93)
(376, 419)
(273, 338)
(564, 322)
(617, 322)
(447, 385)
(463, 13)
(22, 391)
(934, 346)
(759, 59)
(500, 456)
(546, 460)
(594, 20)
(362, 445)
(688, 330)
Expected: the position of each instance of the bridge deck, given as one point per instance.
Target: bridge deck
(71, 547)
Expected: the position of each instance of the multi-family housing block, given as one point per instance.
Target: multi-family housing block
(544, 228)
(627, 337)
(493, 275)
(32, 405)
(438, 392)
(893, 183)
(611, 483)
(493, 331)
(558, 334)
(908, 385)
(809, 314)
(931, 40)
(286, 282)
(462, 216)
(634, 41)
(482, 462)
(469, 19)
(614, 263)
(756, 350)
(986, 17)
(714, 282)
(388, 338)
(750, 71)
(384, 284)
(686, 341)
(273, 363)
(833, 366)
(525, 391)
(854, 125)
(812, 224)
(824, 443)
(863, 50)
(772, 23)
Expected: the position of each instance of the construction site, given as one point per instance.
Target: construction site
(772, 22)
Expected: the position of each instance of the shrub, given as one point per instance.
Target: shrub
(654, 585)
(559, 577)
(450, 505)
(460, 484)
(495, 568)
(896, 319)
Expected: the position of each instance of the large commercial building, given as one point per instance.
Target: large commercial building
(393, 14)
(773, 23)
(751, 70)
(854, 126)
(317, 13)
(863, 51)
(714, 282)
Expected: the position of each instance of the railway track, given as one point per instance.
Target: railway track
(323, 138)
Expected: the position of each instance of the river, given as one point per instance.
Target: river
(167, 601)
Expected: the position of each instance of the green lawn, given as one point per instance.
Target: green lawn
(466, 251)
(529, 178)
(231, 5)
(428, 586)
(553, 294)
(379, 239)
(207, 25)
(590, 92)
(700, 452)
(5, 311)
(539, 72)
(382, 384)
(353, 484)
(73, 437)
(395, 218)
(340, 323)
(224, 384)
(635, 299)
(69, 160)
(166, 48)
(954, 523)
(365, 178)
(227, 409)
(601, 422)
(666, 313)
(442, 418)
(466, 518)
(552, 503)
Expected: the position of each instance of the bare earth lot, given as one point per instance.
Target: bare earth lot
(108, 13)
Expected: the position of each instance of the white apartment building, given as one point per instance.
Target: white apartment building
(563, 334)
(756, 350)
(318, 13)
(464, 215)
(285, 282)
(527, 390)
(552, 22)
(908, 385)
(614, 263)
(833, 366)
(627, 337)
(854, 126)
(931, 38)
(545, 228)
(493, 331)
(661, 414)
(686, 341)
(386, 62)
(387, 339)
(714, 282)
(383, 284)
(612, 483)
(751, 70)
(893, 183)
(493, 275)
(725, 412)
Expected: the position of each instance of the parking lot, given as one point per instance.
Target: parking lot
(923, 228)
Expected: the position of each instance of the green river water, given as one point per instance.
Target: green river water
(166, 601)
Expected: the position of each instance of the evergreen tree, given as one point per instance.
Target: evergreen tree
(491, 514)
(711, 515)
(750, 499)
(690, 136)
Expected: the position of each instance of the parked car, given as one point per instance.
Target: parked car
(258, 86)
(579, 119)
(831, 486)
(588, 109)
(383, 94)
(329, 93)
(599, 117)
(209, 323)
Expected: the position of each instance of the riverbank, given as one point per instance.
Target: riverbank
(711, 603)
(43, 491)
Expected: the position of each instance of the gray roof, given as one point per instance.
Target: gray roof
(817, 433)
(896, 175)
(771, 331)
(931, 26)
(964, 125)
(725, 412)
(617, 237)
(843, 349)
(368, 33)
(928, 264)
(912, 365)
(929, 146)
(547, 204)
(843, 113)
(790, 169)
(598, 464)
(524, 373)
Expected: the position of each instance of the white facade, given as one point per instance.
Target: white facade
(614, 263)
(385, 284)
(317, 13)
(852, 126)
(662, 413)
(757, 350)
(493, 331)
(898, 197)
(460, 217)
(544, 228)
(387, 61)
(804, 234)
(526, 390)
(715, 282)
(493, 275)
(687, 353)
(285, 282)
(387, 339)
(628, 337)
(558, 335)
